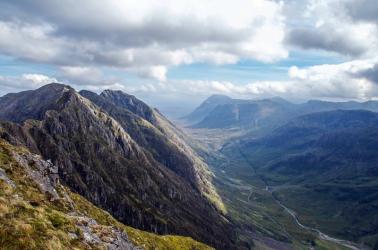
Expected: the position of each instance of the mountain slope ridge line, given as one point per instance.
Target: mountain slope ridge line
(101, 161)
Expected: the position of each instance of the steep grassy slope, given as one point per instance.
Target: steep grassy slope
(36, 212)
(100, 160)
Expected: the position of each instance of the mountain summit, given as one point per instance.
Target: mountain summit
(121, 155)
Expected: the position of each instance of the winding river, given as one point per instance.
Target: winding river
(323, 236)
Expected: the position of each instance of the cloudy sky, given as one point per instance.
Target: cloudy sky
(173, 54)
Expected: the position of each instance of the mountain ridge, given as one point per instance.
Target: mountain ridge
(118, 104)
(81, 139)
(263, 113)
(38, 212)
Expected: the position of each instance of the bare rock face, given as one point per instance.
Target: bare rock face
(98, 235)
(4, 177)
(44, 173)
(131, 103)
(166, 143)
(57, 207)
(117, 159)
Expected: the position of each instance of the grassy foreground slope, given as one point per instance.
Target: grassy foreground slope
(36, 212)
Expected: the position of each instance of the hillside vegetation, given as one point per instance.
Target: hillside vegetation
(37, 212)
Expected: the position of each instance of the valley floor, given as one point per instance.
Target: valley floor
(263, 220)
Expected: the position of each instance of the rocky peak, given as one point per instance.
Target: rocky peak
(217, 99)
(164, 141)
(131, 103)
(33, 104)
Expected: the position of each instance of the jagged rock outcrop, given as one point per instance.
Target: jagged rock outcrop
(100, 157)
(166, 143)
(38, 212)
(49, 219)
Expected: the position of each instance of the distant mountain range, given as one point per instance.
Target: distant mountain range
(319, 147)
(121, 155)
(224, 112)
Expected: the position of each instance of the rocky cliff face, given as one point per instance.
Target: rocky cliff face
(117, 158)
(158, 136)
(38, 212)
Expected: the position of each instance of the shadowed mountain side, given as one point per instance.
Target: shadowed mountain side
(160, 137)
(326, 159)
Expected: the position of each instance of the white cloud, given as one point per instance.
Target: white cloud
(145, 36)
(155, 72)
(23, 82)
(342, 81)
(331, 25)
(37, 80)
(82, 75)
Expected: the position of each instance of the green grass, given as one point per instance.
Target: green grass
(29, 220)
(138, 237)
(332, 214)
(344, 208)
(257, 210)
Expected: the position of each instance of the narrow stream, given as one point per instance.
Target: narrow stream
(321, 235)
